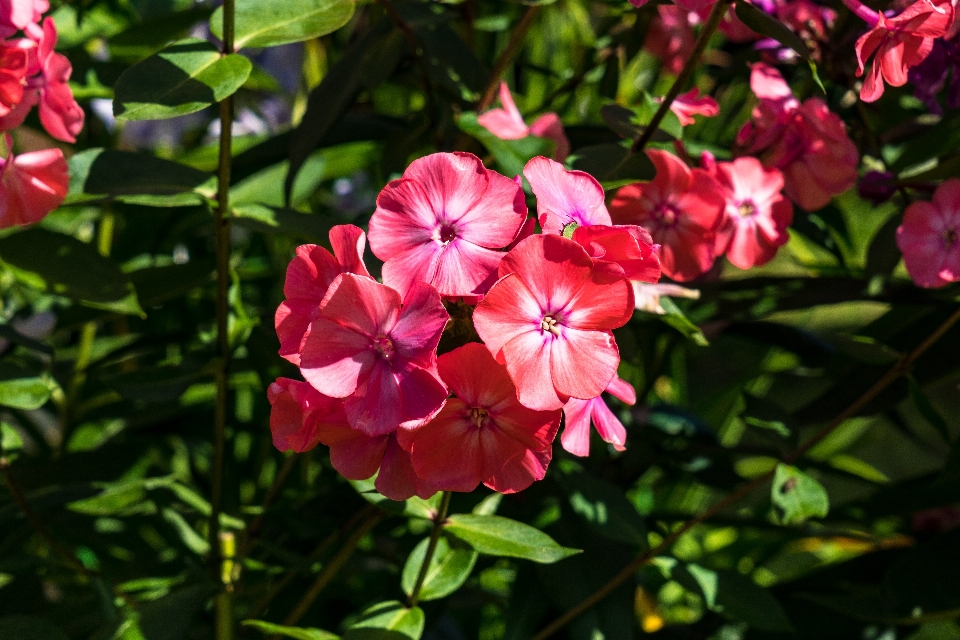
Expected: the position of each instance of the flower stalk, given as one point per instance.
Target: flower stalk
(862, 11)
(438, 522)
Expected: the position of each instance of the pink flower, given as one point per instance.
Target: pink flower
(549, 319)
(443, 222)
(682, 209)
(309, 275)
(757, 214)
(628, 246)
(565, 196)
(807, 142)
(484, 434)
(301, 417)
(671, 36)
(48, 74)
(13, 68)
(930, 237)
(898, 43)
(691, 103)
(689, 5)
(578, 414)
(378, 351)
(31, 185)
(22, 15)
(508, 124)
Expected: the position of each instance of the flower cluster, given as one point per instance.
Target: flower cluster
(453, 234)
(33, 74)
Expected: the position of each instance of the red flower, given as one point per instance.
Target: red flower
(378, 352)
(443, 222)
(13, 69)
(565, 196)
(484, 434)
(682, 209)
(297, 413)
(757, 214)
(31, 185)
(807, 142)
(508, 124)
(899, 43)
(48, 74)
(930, 237)
(691, 104)
(549, 318)
(309, 275)
(578, 415)
(629, 246)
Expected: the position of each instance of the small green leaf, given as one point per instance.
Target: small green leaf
(767, 25)
(268, 23)
(387, 621)
(498, 536)
(614, 165)
(297, 633)
(183, 78)
(798, 495)
(10, 439)
(449, 568)
(676, 319)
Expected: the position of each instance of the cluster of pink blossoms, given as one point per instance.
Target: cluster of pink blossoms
(452, 233)
(33, 74)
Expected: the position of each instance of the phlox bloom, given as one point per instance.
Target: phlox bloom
(377, 351)
(309, 275)
(757, 214)
(483, 435)
(681, 208)
(13, 69)
(443, 223)
(628, 246)
(508, 124)
(301, 417)
(691, 104)
(549, 319)
(31, 185)
(578, 415)
(899, 43)
(671, 36)
(930, 237)
(565, 196)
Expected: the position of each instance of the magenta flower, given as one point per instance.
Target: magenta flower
(308, 277)
(508, 124)
(483, 434)
(550, 319)
(930, 237)
(377, 351)
(578, 414)
(565, 196)
(443, 223)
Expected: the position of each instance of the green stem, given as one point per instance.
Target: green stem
(438, 522)
(901, 368)
(711, 26)
(224, 617)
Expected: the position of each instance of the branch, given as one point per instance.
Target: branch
(899, 369)
(507, 56)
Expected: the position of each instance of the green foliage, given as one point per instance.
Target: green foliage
(798, 495)
(499, 536)
(449, 568)
(387, 621)
(290, 632)
(268, 23)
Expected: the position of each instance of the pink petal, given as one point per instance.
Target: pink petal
(549, 126)
(447, 450)
(527, 358)
(292, 320)
(564, 196)
(376, 407)
(609, 427)
(475, 377)
(353, 454)
(310, 273)
(423, 396)
(552, 267)
(508, 310)
(417, 331)
(32, 185)
(404, 220)
(622, 390)
(520, 472)
(362, 305)
(502, 124)
(397, 479)
(348, 242)
(335, 359)
(582, 363)
(576, 431)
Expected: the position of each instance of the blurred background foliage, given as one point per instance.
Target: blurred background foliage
(106, 375)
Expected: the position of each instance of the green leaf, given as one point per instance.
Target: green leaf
(614, 165)
(268, 23)
(767, 25)
(449, 568)
(735, 596)
(927, 410)
(605, 508)
(498, 536)
(676, 319)
(141, 40)
(798, 495)
(67, 266)
(183, 78)
(387, 621)
(297, 633)
(283, 221)
(169, 617)
(511, 155)
(30, 628)
(24, 393)
(136, 178)
(10, 439)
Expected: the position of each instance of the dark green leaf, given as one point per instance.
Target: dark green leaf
(883, 256)
(927, 410)
(284, 221)
(676, 319)
(30, 628)
(449, 568)
(156, 285)
(133, 177)
(736, 596)
(169, 617)
(605, 508)
(498, 536)
(268, 23)
(799, 496)
(185, 77)
(67, 266)
(766, 25)
(387, 621)
(141, 40)
(297, 633)
(614, 165)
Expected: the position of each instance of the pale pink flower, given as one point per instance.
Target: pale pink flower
(930, 237)
(508, 124)
(579, 414)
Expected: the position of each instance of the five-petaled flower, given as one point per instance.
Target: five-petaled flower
(508, 124)
(930, 237)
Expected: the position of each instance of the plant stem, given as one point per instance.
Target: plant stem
(713, 22)
(507, 56)
(865, 13)
(899, 369)
(438, 521)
